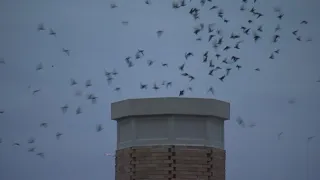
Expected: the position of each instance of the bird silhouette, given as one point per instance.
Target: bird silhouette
(78, 110)
(52, 32)
(99, 128)
(31, 149)
(31, 140)
(41, 27)
(66, 51)
(113, 5)
(181, 93)
(58, 135)
(44, 125)
(279, 135)
(41, 155)
(159, 33)
(65, 108)
(240, 121)
(88, 83)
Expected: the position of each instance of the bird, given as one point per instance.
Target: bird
(211, 90)
(88, 83)
(113, 5)
(73, 82)
(143, 86)
(66, 51)
(125, 23)
(181, 93)
(187, 55)
(295, 32)
(2, 61)
(64, 108)
(280, 16)
(222, 78)
(31, 149)
(78, 110)
(52, 32)
(39, 67)
(31, 140)
(44, 125)
(292, 101)
(99, 128)
(155, 87)
(41, 27)
(169, 84)
(16, 144)
(35, 91)
(304, 22)
(40, 155)
(58, 135)
(117, 89)
(257, 69)
(147, 2)
(150, 62)
(1, 111)
(159, 33)
(240, 121)
(280, 134)
(181, 68)
(252, 125)
(271, 56)
(310, 138)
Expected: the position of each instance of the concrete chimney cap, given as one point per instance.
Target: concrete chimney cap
(170, 106)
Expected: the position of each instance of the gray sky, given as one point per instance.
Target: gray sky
(97, 40)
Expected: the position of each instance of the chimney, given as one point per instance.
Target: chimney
(170, 138)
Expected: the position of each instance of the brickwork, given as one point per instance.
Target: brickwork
(170, 163)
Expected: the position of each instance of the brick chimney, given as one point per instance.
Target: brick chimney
(170, 138)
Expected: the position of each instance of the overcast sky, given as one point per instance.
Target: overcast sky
(98, 40)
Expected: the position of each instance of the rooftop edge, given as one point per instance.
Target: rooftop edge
(170, 105)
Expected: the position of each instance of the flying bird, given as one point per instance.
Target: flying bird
(52, 32)
(44, 125)
(66, 51)
(58, 135)
(113, 5)
(143, 86)
(78, 110)
(181, 93)
(240, 121)
(41, 27)
(31, 149)
(16, 144)
(2, 61)
(310, 138)
(187, 55)
(99, 128)
(211, 90)
(159, 33)
(73, 82)
(41, 155)
(35, 91)
(88, 83)
(64, 108)
(39, 67)
(280, 134)
(304, 22)
(31, 140)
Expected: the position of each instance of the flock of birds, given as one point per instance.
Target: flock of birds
(219, 59)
